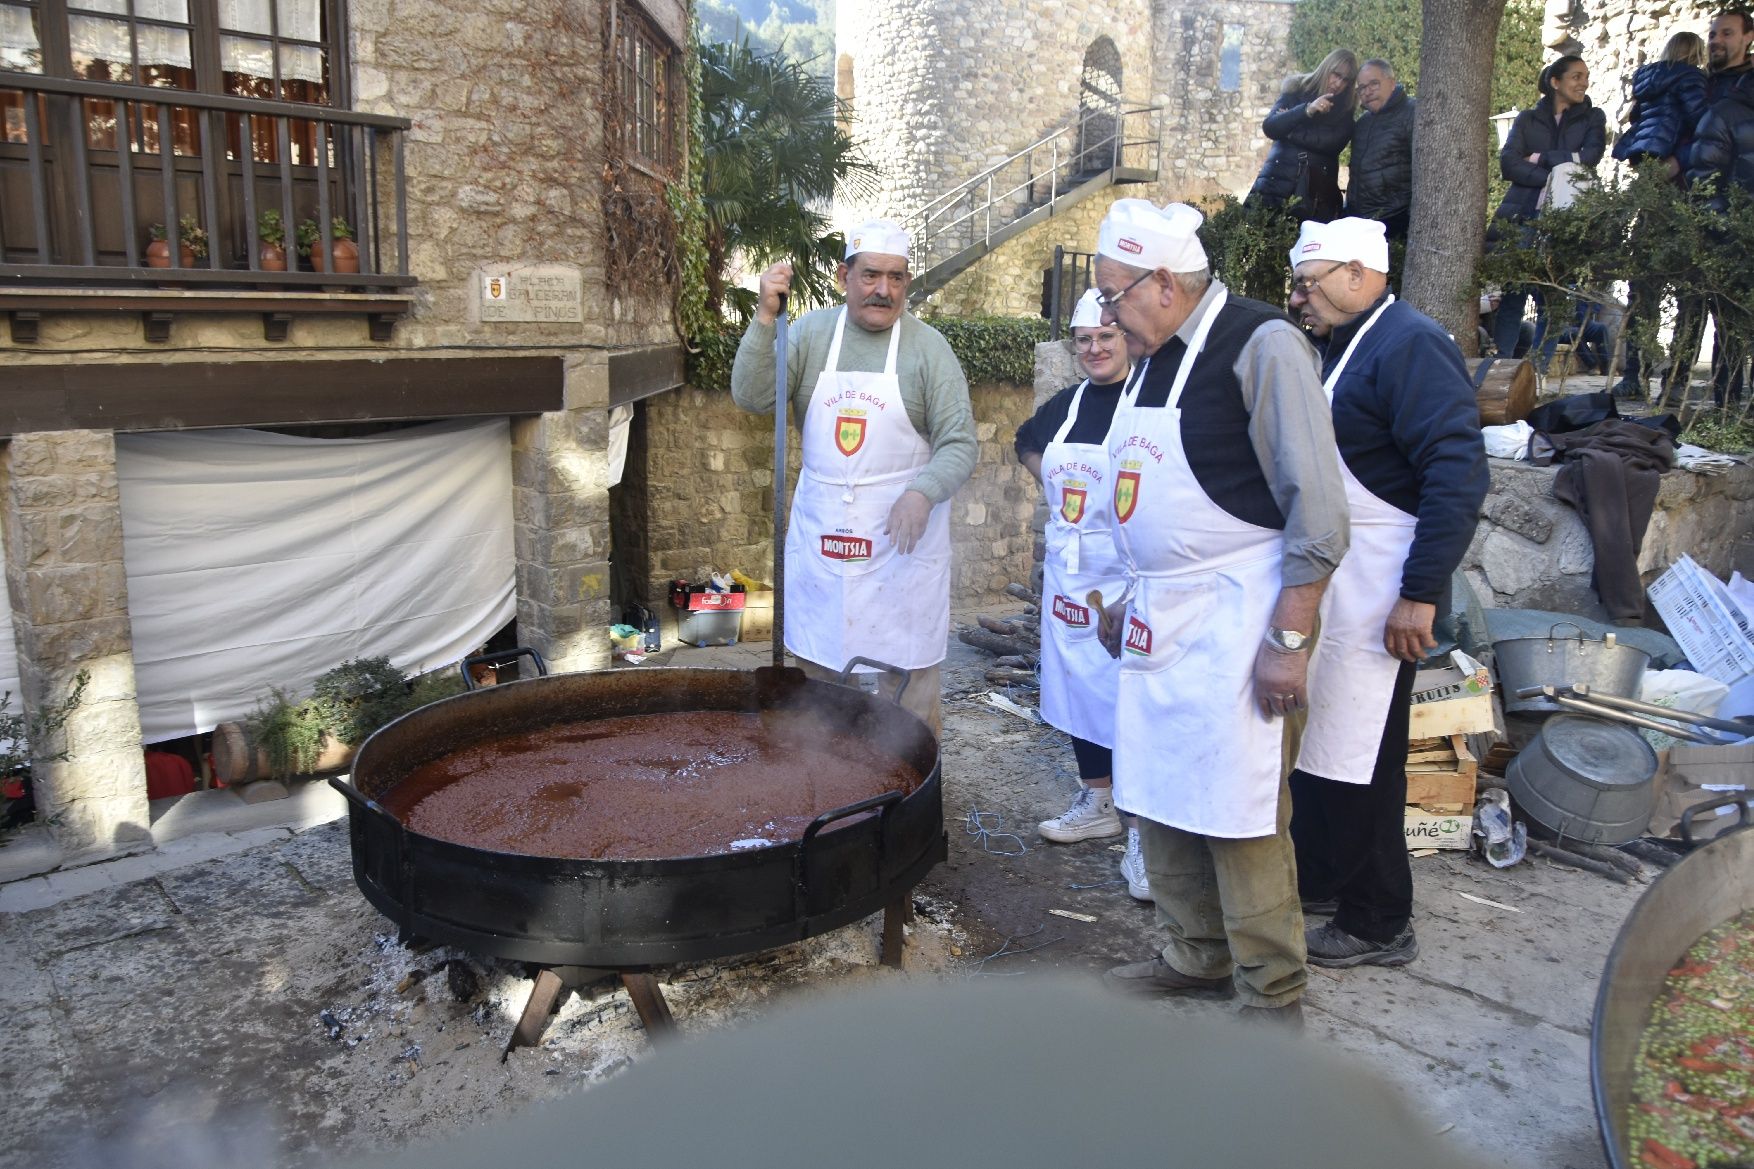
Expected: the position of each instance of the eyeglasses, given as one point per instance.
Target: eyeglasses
(1105, 300)
(1107, 340)
(1306, 284)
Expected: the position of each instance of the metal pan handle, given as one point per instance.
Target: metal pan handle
(354, 796)
(1557, 625)
(500, 658)
(885, 803)
(846, 673)
(1739, 802)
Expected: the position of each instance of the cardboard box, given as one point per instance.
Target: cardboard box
(758, 615)
(1694, 775)
(1433, 830)
(1455, 700)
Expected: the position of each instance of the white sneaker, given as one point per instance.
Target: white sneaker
(1133, 868)
(1092, 816)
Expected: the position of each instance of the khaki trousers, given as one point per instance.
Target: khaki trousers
(921, 698)
(1231, 907)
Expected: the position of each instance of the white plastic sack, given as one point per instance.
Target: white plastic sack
(1679, 690)
(257, 560)
(1510, 441)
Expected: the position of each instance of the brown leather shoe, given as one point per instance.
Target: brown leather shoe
(1288, 1018)
(1155, 976)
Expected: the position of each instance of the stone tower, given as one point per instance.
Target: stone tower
(944, 89)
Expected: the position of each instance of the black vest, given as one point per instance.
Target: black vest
(1214, 424)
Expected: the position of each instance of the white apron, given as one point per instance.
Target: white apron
(1078, 678)
(848, 592)
(1192, 748)
(1351, 675)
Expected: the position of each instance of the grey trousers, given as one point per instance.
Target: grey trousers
(1231, 907)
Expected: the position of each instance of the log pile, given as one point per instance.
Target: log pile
(1014, 642)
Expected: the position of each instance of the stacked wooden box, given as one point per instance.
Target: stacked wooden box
(1451, 722)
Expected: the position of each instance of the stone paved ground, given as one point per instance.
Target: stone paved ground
(244, 984)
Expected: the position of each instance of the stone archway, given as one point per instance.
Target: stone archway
(1099, 106)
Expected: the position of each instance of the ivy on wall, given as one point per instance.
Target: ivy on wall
(689, 209)
(990, 349)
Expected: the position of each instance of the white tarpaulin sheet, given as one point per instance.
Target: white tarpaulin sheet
(257, 560)
(8, 651)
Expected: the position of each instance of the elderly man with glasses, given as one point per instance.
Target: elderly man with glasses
(1230, 515)
(1380, 186)
(1415, 474)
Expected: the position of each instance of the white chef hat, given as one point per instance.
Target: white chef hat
(1139, 233)
(1345, 240)
(879, 235)
(1088, 313)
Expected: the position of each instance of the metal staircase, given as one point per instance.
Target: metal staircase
(1098, 149)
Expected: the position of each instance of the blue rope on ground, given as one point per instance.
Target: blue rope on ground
(976, 825)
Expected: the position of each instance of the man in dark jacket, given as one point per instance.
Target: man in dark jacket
(1381, 186)
(1723, 155)
(1727, 49)
(1409, 437)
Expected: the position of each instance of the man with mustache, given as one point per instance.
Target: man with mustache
(888, 437)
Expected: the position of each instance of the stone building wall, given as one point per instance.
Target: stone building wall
(1532, 551)
(708, 502)
(1212, 139)
(943, 89)
(1008, 282)
(505, 167)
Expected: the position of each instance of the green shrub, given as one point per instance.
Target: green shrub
(291, 733)
(359, 696)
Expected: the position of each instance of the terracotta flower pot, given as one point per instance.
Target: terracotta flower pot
(158, 254)
(271, 258)
(345, 256)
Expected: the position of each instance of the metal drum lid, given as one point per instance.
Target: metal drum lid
(1602, 754)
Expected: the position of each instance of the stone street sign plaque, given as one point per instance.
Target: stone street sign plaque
(533, 292)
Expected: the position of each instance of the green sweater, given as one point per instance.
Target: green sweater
(932, 386)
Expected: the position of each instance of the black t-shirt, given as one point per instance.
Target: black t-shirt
(1095, 413)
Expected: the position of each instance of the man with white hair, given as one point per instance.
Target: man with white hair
(1415, 473)
(888, 437)
(1231, 516)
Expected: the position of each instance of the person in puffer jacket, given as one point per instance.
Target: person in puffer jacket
(1562, 127)
(1668, 100)
(1723, 154)
(1310, 125)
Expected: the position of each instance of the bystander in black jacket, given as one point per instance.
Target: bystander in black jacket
(1381, 182)
(1581, 137)
(1723, 149)
(1668, 100)
(1301, 142)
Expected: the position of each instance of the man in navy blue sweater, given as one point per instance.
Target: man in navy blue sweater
(1415, 468)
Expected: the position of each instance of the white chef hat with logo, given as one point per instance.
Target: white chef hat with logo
(1344, 240)
(1137, 232)
(879, 235)
(1088, 313)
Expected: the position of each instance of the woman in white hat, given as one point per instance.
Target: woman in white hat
(1065, 446)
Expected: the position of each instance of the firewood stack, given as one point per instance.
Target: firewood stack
(1014, 642)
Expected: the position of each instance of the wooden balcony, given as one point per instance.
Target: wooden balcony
(91, 174)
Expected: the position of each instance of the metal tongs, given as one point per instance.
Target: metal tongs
(1631, 711)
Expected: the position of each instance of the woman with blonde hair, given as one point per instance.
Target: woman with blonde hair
(1668, 100)
(1310, 125)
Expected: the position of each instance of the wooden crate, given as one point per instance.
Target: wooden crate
(1440, 774)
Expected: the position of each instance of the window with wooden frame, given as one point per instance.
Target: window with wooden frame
(645, 90)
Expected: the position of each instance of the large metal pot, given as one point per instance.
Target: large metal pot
(637, 913)
(1585, 779)
(1605, 666)
(1705, 889)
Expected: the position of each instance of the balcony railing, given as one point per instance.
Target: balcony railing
(99, 163)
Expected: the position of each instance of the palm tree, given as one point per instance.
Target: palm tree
(774, 149)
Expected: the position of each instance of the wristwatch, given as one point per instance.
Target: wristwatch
(1287, 640)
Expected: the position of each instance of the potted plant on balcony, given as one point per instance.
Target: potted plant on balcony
(271, 231)
(343, 255)
(191, 243)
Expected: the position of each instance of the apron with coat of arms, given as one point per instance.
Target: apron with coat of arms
(849, 593)
(1078, 678)
(1192, 748)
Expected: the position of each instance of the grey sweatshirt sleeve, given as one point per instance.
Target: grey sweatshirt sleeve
(752, 370)
(949, 421)
(1292, 428)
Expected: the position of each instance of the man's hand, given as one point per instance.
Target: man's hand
(907, 520)
(1535, 158)
(775, 283)
(1319, 106)
(1407, 634)
(1109, 620)
(1281, 680)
